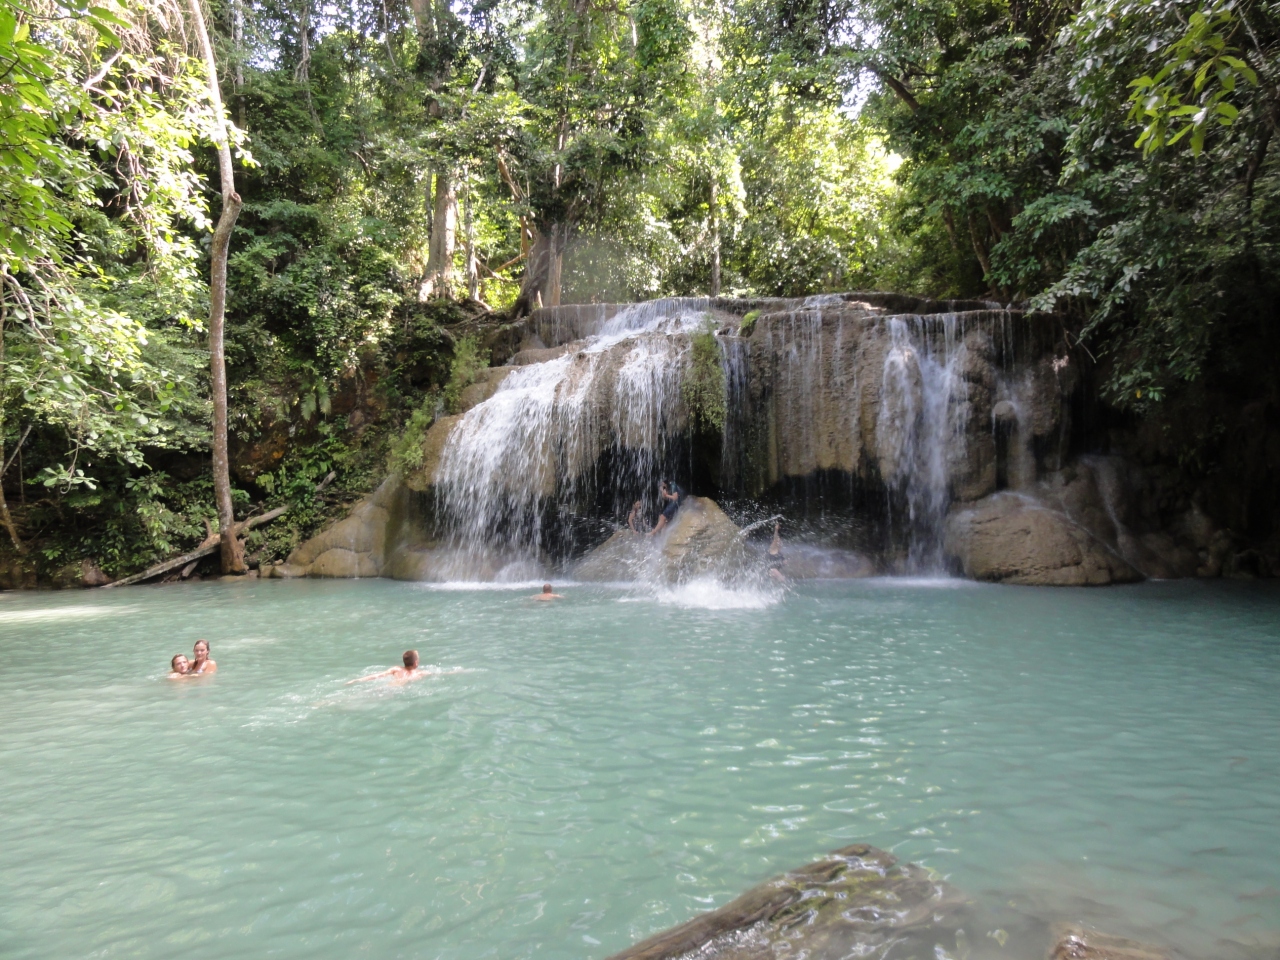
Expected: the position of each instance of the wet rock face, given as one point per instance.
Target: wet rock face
(355, 546)
(860, 902)
(1012, 538)
(700, 540)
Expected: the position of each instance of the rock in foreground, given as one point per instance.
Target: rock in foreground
(860, 902)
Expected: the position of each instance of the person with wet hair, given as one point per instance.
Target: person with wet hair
(180, 667)
(410, 670)
(669, 491)
(202, 664)
(636, 520)
(546, 594)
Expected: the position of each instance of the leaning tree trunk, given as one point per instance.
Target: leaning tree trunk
(232, 549)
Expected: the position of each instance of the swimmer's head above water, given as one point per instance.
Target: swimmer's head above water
(180, 665)
(410, 659)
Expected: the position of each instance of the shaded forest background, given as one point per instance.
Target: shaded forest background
(414, 175)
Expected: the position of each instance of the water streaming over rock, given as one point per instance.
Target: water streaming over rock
(517, 466)
(592, 414)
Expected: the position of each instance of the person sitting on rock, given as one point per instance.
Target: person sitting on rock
(180, 667)
(546, 594)
(636, 520)
(410, 670)
(202, 664)
(669, 491)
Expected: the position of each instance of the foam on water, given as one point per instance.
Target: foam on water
(708, 593)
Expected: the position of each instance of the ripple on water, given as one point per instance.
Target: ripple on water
(608, 769)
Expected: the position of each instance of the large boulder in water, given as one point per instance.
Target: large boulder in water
(859, 902)
(1012, 538)
(700, 540)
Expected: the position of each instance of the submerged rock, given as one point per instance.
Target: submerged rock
(1074, 942)
(1013, 538)
(860, 902)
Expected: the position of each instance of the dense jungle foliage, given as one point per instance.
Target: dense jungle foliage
(413, 172)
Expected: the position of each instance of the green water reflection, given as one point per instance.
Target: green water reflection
(611, 765)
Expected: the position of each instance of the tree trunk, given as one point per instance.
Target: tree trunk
(715, 238)
(438, 281)
(237, 44)
(469, 228)
(555, 263)
(232, 549)
(4, 503)
(535, 275)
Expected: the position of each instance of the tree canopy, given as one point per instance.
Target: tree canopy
(404, 166)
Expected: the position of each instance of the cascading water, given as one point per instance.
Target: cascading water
(871, 419)
(922, 421)
(526, 455)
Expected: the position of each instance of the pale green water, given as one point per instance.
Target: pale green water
(610, 767)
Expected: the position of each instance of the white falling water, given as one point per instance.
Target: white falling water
(514, 460)
(921, 426)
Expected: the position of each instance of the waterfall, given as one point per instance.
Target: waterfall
(516, 467)
(865, 422)
(921, 428)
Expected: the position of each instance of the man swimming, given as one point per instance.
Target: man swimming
(202, 664)
(180, 666)
(410, 670)
(546, 594)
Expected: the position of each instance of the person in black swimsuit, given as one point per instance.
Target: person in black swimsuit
(670, 492)
(775, 555)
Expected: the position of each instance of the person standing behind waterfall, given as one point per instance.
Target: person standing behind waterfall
(669, 491)
(636, 520)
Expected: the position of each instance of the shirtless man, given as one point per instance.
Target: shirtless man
(410, 670)
(546, 594)
(673, 495)
(180, 666)
(202, 663)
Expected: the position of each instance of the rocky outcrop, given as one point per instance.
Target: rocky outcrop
(1074, 942)
(1012, 538)
(859, 902)
(701, 540)
(355, 546)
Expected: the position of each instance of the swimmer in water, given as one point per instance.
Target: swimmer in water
(180, 666)
(775, 555)
(410, 671)
(546, 594)
(202, 664)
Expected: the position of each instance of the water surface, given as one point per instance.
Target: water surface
(612, 764)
